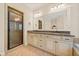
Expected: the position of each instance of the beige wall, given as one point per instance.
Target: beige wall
(2, 28)
(74, 16)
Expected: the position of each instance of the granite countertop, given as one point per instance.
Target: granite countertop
(57, 33)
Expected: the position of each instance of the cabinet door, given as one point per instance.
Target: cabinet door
(30, 38)
(50, 44)
(35, 39)
(63, 48)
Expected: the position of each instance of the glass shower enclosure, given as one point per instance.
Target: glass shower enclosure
(15, 28)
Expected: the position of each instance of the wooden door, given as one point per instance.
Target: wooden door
(50, 44)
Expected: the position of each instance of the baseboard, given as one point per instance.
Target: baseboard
(2, 53)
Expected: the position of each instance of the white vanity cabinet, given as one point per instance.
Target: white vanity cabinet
(64, 46)
(57, 45)
(37, 40)
(41, 42)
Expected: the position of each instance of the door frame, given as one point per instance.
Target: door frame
(8, 25)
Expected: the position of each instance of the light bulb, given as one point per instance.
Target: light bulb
(38, 14)
(55, 7)
(17, 19)
(60, 6)
(52, 8)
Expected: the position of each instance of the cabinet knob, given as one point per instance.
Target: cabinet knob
(40, 40)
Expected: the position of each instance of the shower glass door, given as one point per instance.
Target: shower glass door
(15, 28)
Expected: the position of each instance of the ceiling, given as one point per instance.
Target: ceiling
(34, 6)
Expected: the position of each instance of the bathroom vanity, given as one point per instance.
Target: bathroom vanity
(58, 43)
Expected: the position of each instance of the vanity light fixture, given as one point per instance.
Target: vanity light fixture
(53, 8)
(56, 7)
(61, 5)
(38, 14)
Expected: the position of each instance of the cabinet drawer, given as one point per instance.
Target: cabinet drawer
(52, 36)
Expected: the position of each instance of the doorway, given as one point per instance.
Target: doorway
(15, 28)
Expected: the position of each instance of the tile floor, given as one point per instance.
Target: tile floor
(26, 51)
